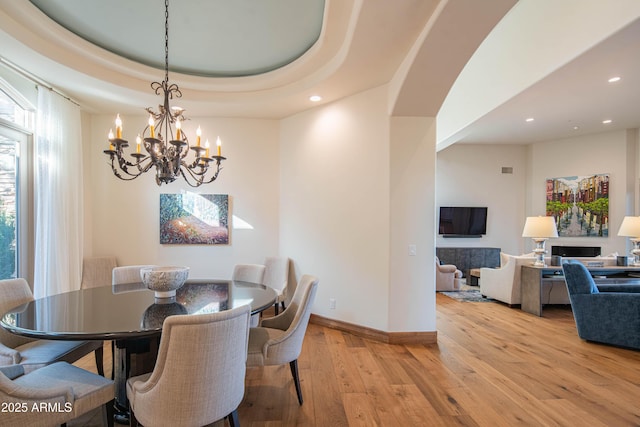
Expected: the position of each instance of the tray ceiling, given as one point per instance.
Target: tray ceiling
(224, 38)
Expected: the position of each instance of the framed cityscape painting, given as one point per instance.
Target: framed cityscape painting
(580, 205)
(194, 219)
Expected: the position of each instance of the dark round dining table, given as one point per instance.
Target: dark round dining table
(131, 316)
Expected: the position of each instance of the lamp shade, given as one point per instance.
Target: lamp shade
(540, 226)
(630, 227)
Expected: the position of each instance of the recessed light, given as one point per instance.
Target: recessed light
(530, 119)
(606, 122)
(315, 98)
(614, 79)
(576, 128)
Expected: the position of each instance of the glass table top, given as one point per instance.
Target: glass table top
(129, 310)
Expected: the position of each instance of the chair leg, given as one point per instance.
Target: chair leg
(233, 418)
(296, 379)
(113, 356)
(109, 406)
(99, 353)
(277, 307)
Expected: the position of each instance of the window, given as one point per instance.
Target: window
(15, 219)
(11, 111)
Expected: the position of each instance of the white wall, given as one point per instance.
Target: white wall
(412, 280)
(334, 215)
(125, 215)
(471, 175)
(591, 154)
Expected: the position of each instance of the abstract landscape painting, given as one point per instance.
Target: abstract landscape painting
(195, 219)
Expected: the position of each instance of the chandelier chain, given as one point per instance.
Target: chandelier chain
(166, 40)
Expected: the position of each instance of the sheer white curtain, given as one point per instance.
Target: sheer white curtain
(58, 195)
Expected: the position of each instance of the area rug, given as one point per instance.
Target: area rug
(471, 295)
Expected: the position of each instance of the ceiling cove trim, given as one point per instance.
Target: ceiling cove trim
(31, 27)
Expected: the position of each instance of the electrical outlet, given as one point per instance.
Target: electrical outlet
(412, 250)
(332, 303)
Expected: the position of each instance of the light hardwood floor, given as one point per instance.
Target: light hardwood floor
(492, 366)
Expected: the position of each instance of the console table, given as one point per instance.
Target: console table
(535, 279)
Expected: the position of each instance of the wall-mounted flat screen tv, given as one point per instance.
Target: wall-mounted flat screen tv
(461, 221)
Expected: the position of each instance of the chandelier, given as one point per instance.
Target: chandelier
(167, 155)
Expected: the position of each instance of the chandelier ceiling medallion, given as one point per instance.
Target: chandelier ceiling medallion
(167, 155)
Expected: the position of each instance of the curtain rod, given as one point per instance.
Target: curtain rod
(35, 79)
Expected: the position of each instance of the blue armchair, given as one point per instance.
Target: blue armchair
(608, 314)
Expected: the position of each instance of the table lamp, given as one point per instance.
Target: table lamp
(540, 228)
(630, 227)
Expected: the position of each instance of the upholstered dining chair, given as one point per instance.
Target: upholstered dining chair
(276, 276)
(199, 373)
(253, 273)
(125, 278)
(35, 353)
(278, 339)
(127, 274)
(97, 271)
(68, 392)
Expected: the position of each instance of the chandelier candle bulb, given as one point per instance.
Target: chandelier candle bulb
(198, 135)
(138, 141)
(206, 145)
(118, 127)
(219, 144)
(178, 126)
(152, 129)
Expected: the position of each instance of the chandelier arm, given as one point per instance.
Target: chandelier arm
(200, 176)
(122, 164)
(197, 183)
(215, 175)
(197, 177)
(117, 173)
(125, 164)
(190, 169)
(124, 167)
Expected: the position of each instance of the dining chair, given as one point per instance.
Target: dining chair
(36, 353)
(127, 274)
(278, 339)
(125, 278)
(253, 273)
(199, 373)
(276, 276)
(52, 395)
(96, 271)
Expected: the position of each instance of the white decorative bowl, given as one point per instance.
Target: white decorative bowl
(164, 281)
